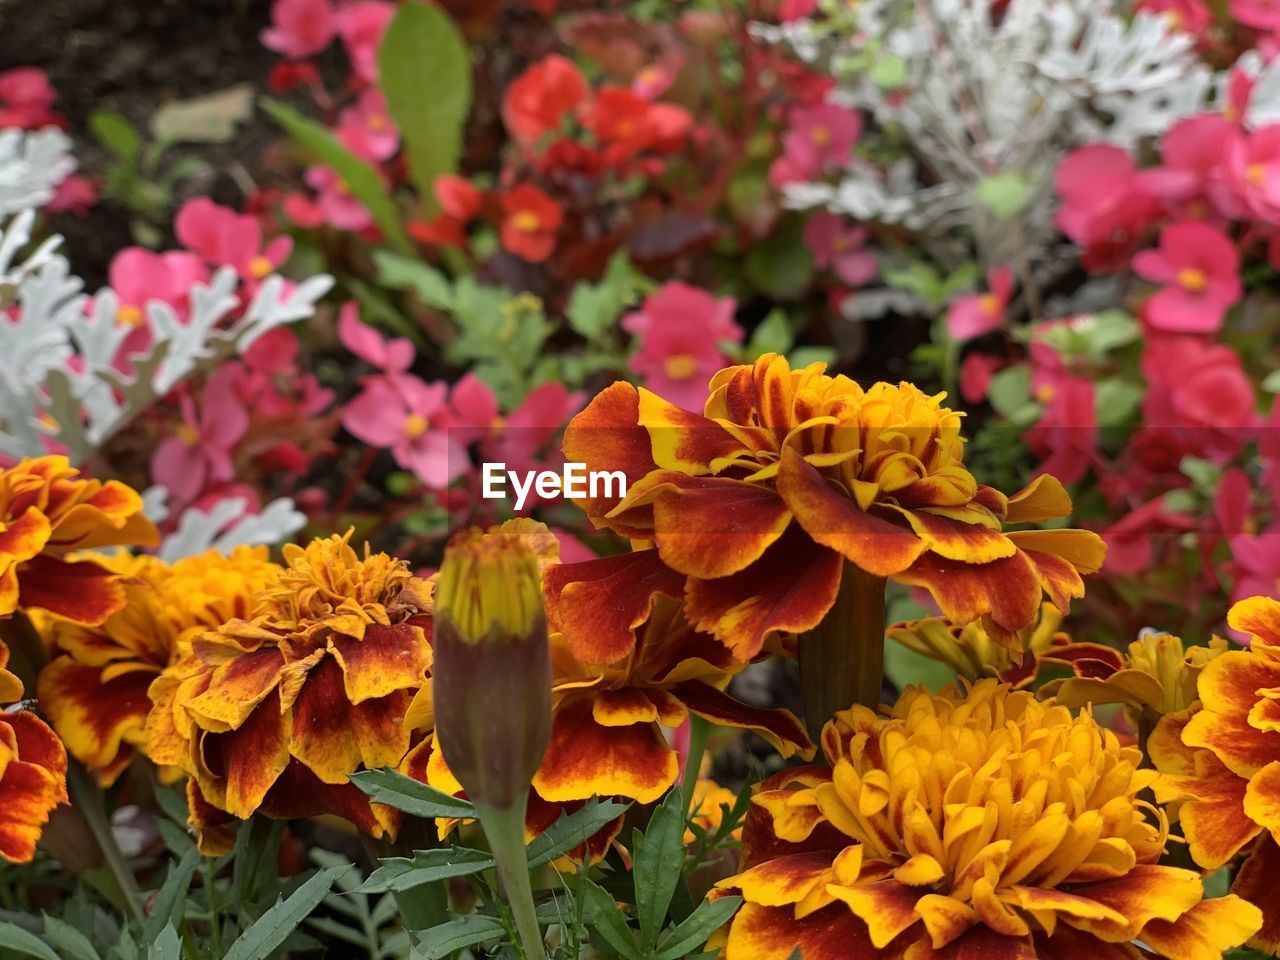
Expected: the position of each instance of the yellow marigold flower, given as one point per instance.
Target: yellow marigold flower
(709, 802)
(791, 473)
(94, 690)
(271, 714)
(47, 512)
(1219, 760)
(33, 772)
(980, 822)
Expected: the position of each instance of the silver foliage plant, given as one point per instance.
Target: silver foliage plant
(60, 382)
(967, 94)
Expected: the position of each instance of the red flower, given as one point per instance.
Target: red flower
(1104, 207)
(628, 124)
(530, 220)
(539, 98)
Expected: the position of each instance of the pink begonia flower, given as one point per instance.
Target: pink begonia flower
(226, 238)
(299, 28)
(1101, 195)
(819, 138)
(1248, 182)
(26, 99)
(1188, 16)
(976, 314)
(340, 209)
(1198, 396)
(409, 418)
(74, 194)
(1066, 435)
(366, 128)
(976, 372)
(1131, 541)
(198, 455)
(139, 276)
(1192, 155)
(390, 356)
(837, 244)
(1198, 268)
(361, 26)
(679, 328)
(789, 10)
(271, 384)
(1259, 14)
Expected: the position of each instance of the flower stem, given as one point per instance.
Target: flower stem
(842, 658)
(699, 729)
(505, 830)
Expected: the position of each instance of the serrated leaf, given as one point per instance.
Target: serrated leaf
(700, 924)
(440, 941)
(409, 795)
(71, 943)
(424, 70)
(171, 895)
(397, 874)
(573, 830)
(271, 929)
(360, 177)
(658, 858)
(14, 938)
(167, 946)
(609, 921)
(594, 308)
(424, 281)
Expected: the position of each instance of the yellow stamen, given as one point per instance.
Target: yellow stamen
(1256, 174)
(820, 135)
(129, 316)
(260, 266)
(189, 435)
(990, 304)
(1192, 279)
(415, 425)
(526, 221)
(680, 367)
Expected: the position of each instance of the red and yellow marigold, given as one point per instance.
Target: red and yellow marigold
(979, 822)
(33, 772)
(790, 473)
(1219, 761)
(94, 690)
(48, 511)
(271, 714)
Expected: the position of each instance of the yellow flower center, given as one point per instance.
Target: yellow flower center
(526, 221)
(990, 304)
(189, 435)
(820, 135)
(415, 425)
(1192, 279)
(260, 266)
(129, 315)
(1045, 393)
(377, 123)
(681, 366)
(1256, 174)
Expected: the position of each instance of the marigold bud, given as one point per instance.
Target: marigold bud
(491, 677)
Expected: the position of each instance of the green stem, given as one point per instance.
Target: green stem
(842, 658)
(215, 926)
(505, 830)
(699, 730)
(88, 799)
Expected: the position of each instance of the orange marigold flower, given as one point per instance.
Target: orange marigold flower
(979, 822)
(94, 690)
(791, 472)
(271, 714)
(33, 772)
(47, 512)
(1219, 760)
(708, 807)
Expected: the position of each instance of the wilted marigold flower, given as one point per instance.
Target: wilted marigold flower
(94, 690)
(976, 823)
(46, 512)
(791, 473)
(33, 772)
(271, 714)
(1219, 761)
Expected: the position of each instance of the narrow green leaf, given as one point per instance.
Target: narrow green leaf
(609, 921)
(409, 795)
(398, 874)
(424, 70)
(403, 273)
(167, 946)
(572, 830)
(25, 944)
(115, 132)
(71, 943)
(273, 927)
(693, 933)
(773, 335)
(360, 177)
(449, 937)
(171, 895)
(659, 857)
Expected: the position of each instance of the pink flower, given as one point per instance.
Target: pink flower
(976, 372)
(789, 10)
(1192, 152)
(1198, 268)
(75, 194)
(836, 244)
(26, 99)
(1257, 563)
(271, 385)
(198, 455)
(409, 417)
(1104, 207)
(1259, 14)
(1198, 396)
(1189, 16)
(979, 313)
(1066, 435)
(367, 130)
(820, 137)
(299, 28)
(389, 356)
(139, 276)
(1248, 183)
(1131, 542)
(679, 328)
(339, 208)
(361, 26)
(223, 237)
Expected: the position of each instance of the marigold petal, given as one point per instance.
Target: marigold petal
(387, 659)
(1262, 797)
(252, 757)
(25, 537)
(1008, 590)
(1244, 749)
(785, 880)
(28, 794)
(81, 591)
(607, 436)
(1259, 617)
(95, 718)
(1067, 943)
(1083, 549)
(1044, 498)
(1229, 683)
(784, 732)
(683, 440)
(236, 688)
(957, 540)
(946, 918)
(774, 933)
(1206, 931)
(1146, 892)
(1257, 881)
(979, 943)
(623, 708)
(887, 907)
(325, 737)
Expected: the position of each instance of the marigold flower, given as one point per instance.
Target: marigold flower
(790, 473)
(94, 690)
(707, 809)
(978, 822)
(1219, 760)
(271, 714)
(47, 512)
(33, 772)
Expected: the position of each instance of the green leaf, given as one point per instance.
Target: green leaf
(595, 307)
(409, 795)
(803, 356)
(19, 941)
(1271, 382)
(1004, 194)
(780, 265)
(1009, 392)
(608, 920)
(888, 72)
(404, 273)
(572, 830)
(117, 134)
(424, 70)
(167, 946)
(71, 943)
(693, 933)
(398, 874)
(1115, 401)
(658, 860)
(773, 335)
(273, 927)
(440, 941)
(171, 895)
(360, 177)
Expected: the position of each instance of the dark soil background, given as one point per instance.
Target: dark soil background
(133, 56)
